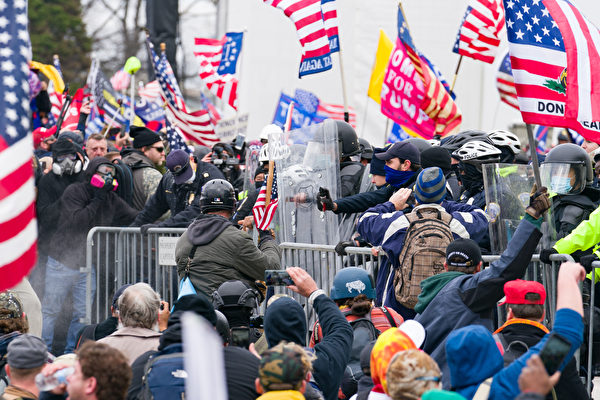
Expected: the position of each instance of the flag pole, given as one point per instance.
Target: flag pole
(385, 134)
(364, 124)
(286, 128)
(456, 74)
(346, 112)
(533, 154)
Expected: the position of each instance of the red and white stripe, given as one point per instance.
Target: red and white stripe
(582, 44)
(18, 226)
(479, 33)
(222, 86)
(330, 19)
(438, 104)
(151, 91)
(264, 215)
(212, 49)
(308, 19)
(56, 100)
(335, 111)
(195, 126)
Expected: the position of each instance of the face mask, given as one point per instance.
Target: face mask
(561, 184)
(105, 181)
(67, 167)
(397, 178)
(472, 179)
(258, 184)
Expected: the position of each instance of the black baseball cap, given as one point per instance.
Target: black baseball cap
(463, 253)
(403, 151)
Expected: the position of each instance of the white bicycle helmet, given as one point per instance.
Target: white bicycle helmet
(270, 129)
(507, 139)
(477, 152)
(264, 153)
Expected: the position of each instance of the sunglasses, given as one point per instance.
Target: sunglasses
(159, 149)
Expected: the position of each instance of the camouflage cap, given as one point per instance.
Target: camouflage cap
(10, 306)
(283, 367)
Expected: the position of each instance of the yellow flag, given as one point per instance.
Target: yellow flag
(382, 57)
(51, 73)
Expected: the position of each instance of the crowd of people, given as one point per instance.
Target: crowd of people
(426, 326)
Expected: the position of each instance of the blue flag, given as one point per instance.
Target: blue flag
(308, 100)
(230, 53)
(397, 134)
(300, 117)
(149, 111)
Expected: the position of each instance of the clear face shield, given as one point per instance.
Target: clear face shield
(563, 178)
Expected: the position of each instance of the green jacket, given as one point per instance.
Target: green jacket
(583, 237)
(224, 253)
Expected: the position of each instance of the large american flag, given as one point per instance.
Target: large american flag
(307, 16)
(264, 215)
(330, 21)
(175, 139)
(479, 33)
(506, 84)
(18, 228)
(544, 38)
(196, 125)
(437, 104)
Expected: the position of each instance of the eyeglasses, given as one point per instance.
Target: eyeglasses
(159, 149)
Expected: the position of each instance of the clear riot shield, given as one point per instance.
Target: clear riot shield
(507, 191)
(348, 221)
(252, 162)
(310, 163)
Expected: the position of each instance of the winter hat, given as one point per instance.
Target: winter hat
(285, 320)
(65, 146)
(472, 356)
(143, 136)
(430, 186)
(73, 136)
(27, 352)
(118, 293)
(377, 165)
(436, 157)
(178, 162)
(199, 304)
(411, 373)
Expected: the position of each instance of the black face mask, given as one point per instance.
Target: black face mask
(258, 184)
(472, 179)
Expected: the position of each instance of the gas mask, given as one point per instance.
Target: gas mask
(67, 164)
(104, 178)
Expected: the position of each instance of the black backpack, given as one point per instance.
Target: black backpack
(125, 179)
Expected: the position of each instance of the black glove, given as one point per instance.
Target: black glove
(324, 200)
(144, 228)
(340, 248)
(546, 253)
(266, 234)
(587, 261)
(539, 202)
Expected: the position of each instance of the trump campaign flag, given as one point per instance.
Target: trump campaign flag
(505, 83)
(554, 52)
(307, 16)
(479, 33)
(18, 227)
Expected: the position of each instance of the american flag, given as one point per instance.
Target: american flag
(56, 62)
(150, 91)
(506, 84)
(308, 100)
(307, 16)
(18, 227)
(264, 215)
(438, 103)
(175, 139)
(330, 21)
(222, 86)
(479, 33)
(335, 111)
(546, 37)
(222, 53)
(105, 96)
(196, 125)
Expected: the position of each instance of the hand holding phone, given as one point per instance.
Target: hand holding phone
(276, 277)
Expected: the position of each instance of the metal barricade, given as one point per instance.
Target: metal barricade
(123, 255)
(595, 266)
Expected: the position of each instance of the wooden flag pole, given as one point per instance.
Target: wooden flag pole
(346, 111)
(272, 146)
(455, 74)
(385, 134)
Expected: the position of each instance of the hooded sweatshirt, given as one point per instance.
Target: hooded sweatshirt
(431, 286)
(223, 253)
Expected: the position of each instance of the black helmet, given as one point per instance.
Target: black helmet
(235, 294)
(222, 327)
(217, 194)
(419, 143)
(347, 139)
(455, 142)
(570, 163)
(366, 150)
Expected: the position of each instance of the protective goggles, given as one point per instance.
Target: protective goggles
(105, 169)
(64, 157)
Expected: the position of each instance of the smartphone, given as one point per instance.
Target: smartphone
(554, 352)
(277, 277)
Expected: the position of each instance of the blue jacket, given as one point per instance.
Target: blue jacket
(470, 299)
(362, 201)
(473, 357)
(384, 226)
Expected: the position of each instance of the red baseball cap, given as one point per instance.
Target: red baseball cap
(515, 292)
(41, 133)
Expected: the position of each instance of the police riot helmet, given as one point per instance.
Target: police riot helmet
(217, 194)
(347, 139)
(222, 327)
(502, 138)
(366, 150)
(567, 169)
(477, 152)
(235, 294)
(419, 143)
(351, 282)
(455, 142)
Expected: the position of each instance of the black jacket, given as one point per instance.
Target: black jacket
(351, 173)
(569, 386)
(182, 200)
(50, 190)
(82, 208)
(570, 210)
